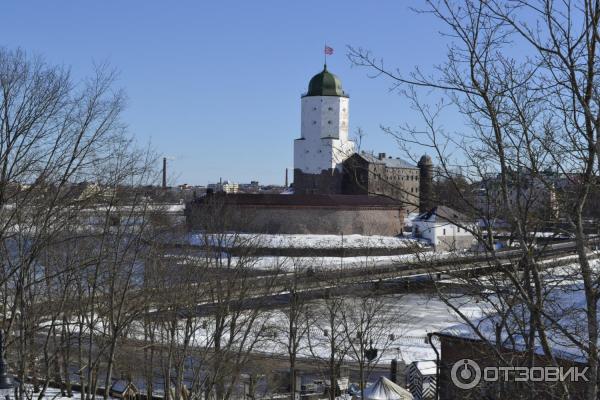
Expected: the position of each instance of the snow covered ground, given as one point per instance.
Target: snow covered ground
(53, 394)
(331, 263)
(299, 264)
(281, 241)
(408, 319)
(412, 317)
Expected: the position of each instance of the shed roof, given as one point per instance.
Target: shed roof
(565, 307)
(442, 214)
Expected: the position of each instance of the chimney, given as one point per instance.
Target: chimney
(381, 156)
(164, 173)
(286, 177)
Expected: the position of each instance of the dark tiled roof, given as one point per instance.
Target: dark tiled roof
(303, 200)
(389, 162)
(443, 213)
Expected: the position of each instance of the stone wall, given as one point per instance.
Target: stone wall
(327, 182)
(307, 220)
(362, 177)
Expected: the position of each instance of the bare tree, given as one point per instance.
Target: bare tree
(531, 138)
(368, 325)
(65, 160)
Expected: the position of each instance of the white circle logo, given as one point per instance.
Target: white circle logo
(465, 374)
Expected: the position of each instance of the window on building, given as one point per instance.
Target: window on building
(444, 232)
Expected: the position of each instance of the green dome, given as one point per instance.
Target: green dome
(325, 84)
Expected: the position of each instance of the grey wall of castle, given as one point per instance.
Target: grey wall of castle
(305, 220)
(327, 182)
(363, 178)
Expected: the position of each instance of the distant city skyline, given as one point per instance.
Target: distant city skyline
(216, 87)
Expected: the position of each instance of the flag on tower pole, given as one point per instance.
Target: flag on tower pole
(327, 52)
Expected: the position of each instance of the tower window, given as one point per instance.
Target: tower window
(314, 122)
(330, 109)
(314, 108)
(329, 122)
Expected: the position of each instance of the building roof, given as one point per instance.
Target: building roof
(442, 214)
(303, 200)
(426, 367)
(325, 84)
(565, 307)
(389, 161)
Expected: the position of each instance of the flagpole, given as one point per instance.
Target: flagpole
(325, 55)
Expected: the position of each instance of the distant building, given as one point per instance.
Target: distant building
(252, 187)
(187, 192)
(96, 191)
(224, 187)
(538, 195)
(444, 228)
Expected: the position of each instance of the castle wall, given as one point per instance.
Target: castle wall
(308, 220)
(367, 178)
(327, 182)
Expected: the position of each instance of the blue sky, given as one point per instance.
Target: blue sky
(216, 85)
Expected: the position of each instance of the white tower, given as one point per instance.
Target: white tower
(323, 144)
